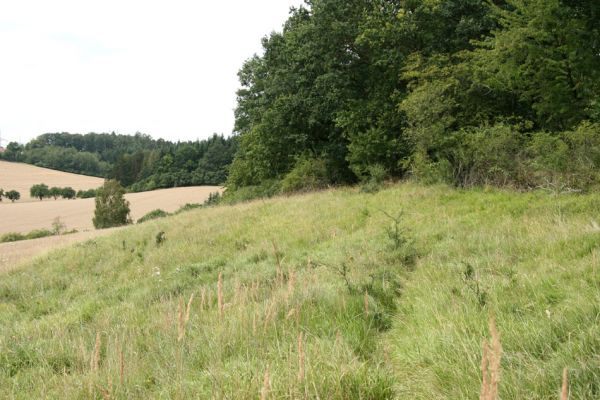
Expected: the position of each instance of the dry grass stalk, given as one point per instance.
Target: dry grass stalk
(279, 263)
(366, 303)
(291, 285)
(254, 323)
(564, 394)
(203, 299)
(290, 314)
(181, 322)
(301, 357)
(95, 360)
(188, 308)
(264, 393)
(183, 317)
(220, 295)
(121, 365)
(490, 364)
(84, 356)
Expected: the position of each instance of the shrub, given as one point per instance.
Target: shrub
(268, 188)
(1, 194)
(188, 207)
(12, 237)
(40, 191)
(86, 194)
(54, 192)
(39, 233)
(213, 199)
(374, 179)
(12, 195)
(308, 174)
(112, 209)
(154, 214)
(68, 193)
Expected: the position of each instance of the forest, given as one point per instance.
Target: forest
(465, 92)
(137, 162)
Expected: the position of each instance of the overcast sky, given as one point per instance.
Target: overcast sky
(165, 68)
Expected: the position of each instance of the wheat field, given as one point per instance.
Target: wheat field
(21, 177)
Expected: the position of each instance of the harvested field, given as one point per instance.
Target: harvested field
(78, 214)
(11, 254)
(21, 177)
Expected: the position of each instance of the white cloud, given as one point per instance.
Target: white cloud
(163, 68)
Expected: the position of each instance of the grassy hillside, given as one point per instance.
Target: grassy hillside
(322, 296)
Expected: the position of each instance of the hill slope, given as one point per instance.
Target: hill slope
(21, 177)
(321, 296)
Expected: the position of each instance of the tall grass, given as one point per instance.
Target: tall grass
(311, 297)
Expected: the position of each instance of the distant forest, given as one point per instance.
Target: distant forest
(137, 162)
(465, 92)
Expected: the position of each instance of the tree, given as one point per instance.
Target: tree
(39, 191)
(13, 195)
(1, 194)
(55, 192)
(68, 193)
(112, 209)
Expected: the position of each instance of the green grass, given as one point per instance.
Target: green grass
(530, 259)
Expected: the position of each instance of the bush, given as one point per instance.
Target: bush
(12, 195)
(213, 199)
(54, 192)
(86, 194)
(68, 193)
(268, 188)
(374, 179)
(188, 207)
(112, 209)
(308, 174)
(1, 194)
(39, 233)
(154, 214)
(40, 191)
(12, 237)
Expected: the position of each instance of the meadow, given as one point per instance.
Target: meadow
(333, 295)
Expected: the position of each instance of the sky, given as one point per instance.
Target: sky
(164, 68)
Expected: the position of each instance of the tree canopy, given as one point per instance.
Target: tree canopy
(452, 90)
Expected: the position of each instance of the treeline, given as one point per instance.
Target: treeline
(467, 92)
(137, 162)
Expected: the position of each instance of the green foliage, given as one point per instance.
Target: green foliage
(86, 194)
(374, 179)
(12, 195)
(307, 175)
(458, 91)
(40, 191)
(1, 193)
(54, 192)
(112, 209)
(266, 189)
(154, 214)
(68, 193)
(12, 237)
(135, 161)
(213, 199)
